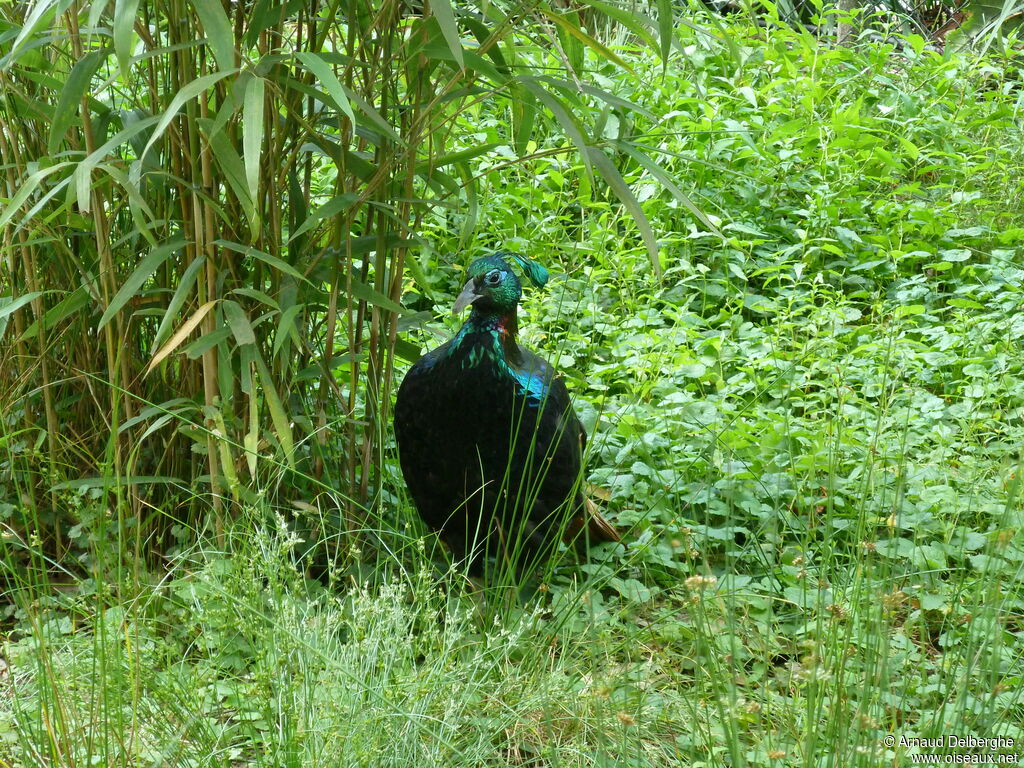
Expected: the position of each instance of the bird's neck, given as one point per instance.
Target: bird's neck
(503, 328)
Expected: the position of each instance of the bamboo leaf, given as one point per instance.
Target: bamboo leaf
(190, 91)
(602, 50)
(332, 85)
(257, 295)
(252, 133)
(186, 285)
(286, 327)
(181, 334)
(375, 118)
(139, 276)
(278, 416)
(68, 306)
(218, 31)
(42, 13)
(632, 21)
(83, 172)
(9, 304)
(665, 179)
(611, 174)
(123, 30)
(666, 26)
(27, 187)
(266, 258)
(568, 123)
(445, 16)
(332, 207)
(238, 322)
(372, 296)
(71, 96)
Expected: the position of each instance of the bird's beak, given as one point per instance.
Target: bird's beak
(467, 297)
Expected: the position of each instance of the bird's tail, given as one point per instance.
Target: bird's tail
(598, 529)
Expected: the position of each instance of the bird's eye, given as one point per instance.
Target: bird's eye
(493, 277)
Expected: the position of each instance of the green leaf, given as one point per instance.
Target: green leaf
(445, 16)
(68, 306)
(238, 322)
(666, 28)
(83, 172)
(26, 188)
(9, 304)
(219, 36)
(599, 48)
(71, 96)
(125, 12)
(665, 179)
(909, 309)
(140, 275)
(190, 91)
(568, 123)
(332, 207)
(611, 174)
(282, 424)
(330, 82)
(372, 296)
(274, 261)
(252, 133)
(186, 285)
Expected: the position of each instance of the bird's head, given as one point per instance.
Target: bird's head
(493, 287)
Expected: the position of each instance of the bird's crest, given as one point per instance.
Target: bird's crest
(535, 271)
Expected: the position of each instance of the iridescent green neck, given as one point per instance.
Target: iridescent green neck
(500, 329)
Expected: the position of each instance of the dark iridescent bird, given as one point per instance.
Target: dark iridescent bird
(489, 444)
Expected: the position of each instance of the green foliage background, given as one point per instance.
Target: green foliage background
(787, 298)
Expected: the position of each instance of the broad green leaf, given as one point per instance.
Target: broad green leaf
(125, 12)
(219, 36)
(252, 133)
(71, 97)
(445, 16)
(238, 322)
(282, 424)
(330, 82)
(139, 276)
(909, 309)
